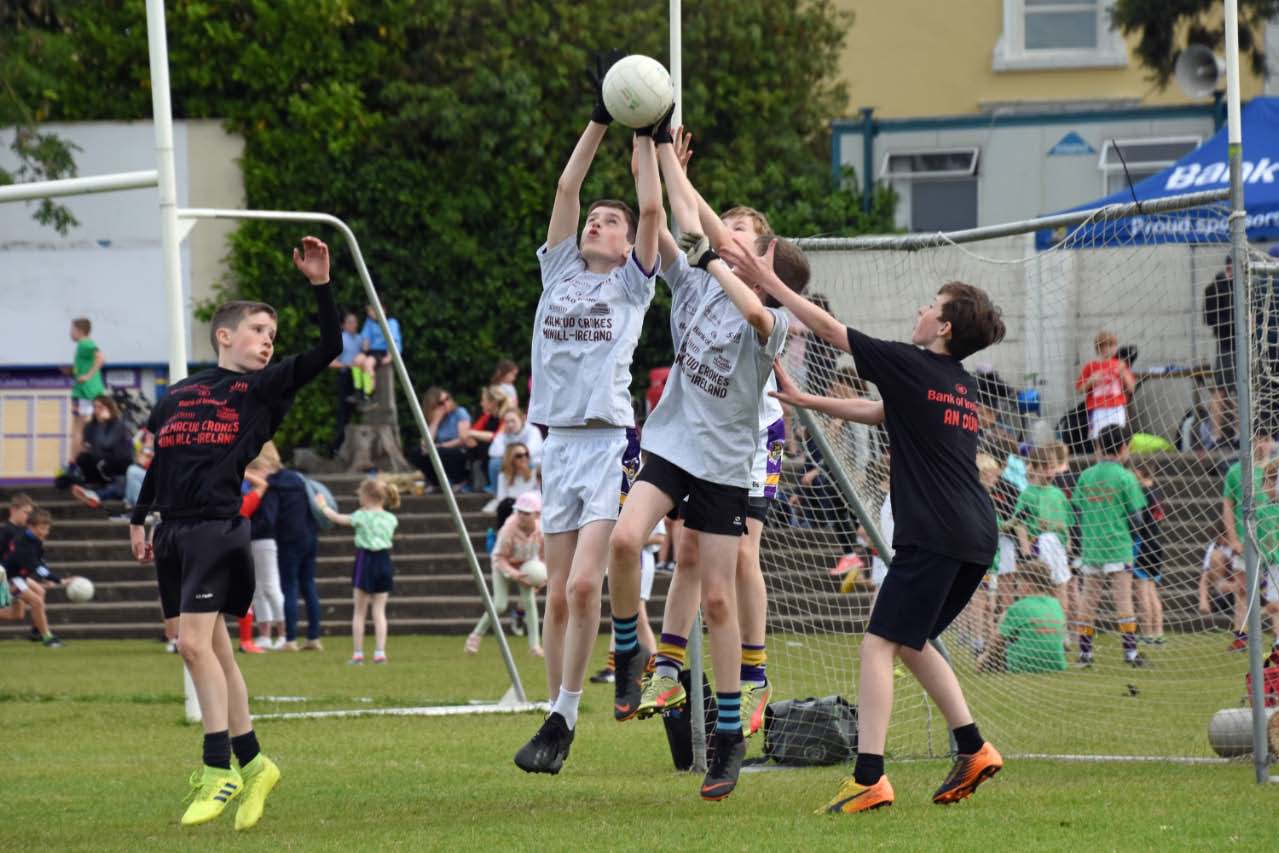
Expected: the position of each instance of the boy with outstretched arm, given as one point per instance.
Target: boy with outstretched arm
(663, 689)
(700, 442)
(208, 428)
(945, 535)
(588, 322)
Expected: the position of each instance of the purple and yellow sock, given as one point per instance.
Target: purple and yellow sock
(1128, 628)
(754, 660)
(671, 650)
(1086, 633)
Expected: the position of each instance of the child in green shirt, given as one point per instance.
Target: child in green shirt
(86, 370)
(1032, 632)
(1106, 497)
(1046, 514)
(372, 576)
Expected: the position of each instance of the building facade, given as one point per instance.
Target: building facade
(986, 111)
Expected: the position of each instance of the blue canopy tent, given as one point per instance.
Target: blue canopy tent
(1205, 168)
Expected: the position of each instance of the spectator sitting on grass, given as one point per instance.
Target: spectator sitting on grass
(1032, 632)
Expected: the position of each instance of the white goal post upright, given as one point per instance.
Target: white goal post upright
(1243, 286)
(170, 241)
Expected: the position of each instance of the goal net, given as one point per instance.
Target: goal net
(1143, 281)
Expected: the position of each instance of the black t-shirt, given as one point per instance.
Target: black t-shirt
(210, 426)
(930, 413)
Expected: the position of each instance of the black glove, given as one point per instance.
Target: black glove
(603, 61)
(661, 129)
(698, 249)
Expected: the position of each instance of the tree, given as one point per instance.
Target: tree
(1167, 26)
(41, 156)
(438, 135)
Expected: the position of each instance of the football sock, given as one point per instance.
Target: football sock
(754, 660)
(1128, 630)
(730, 712)
(217, 750)
(1085, 640)
(246, 627)
(611, 666)
(671, 649)
(245, 747)
(566, 706)
(868, 769)
(967, 739)
(625, 635)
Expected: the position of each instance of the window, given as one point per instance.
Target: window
(1058, 34)
(910, 165)
(1145, 157)
(942, 187)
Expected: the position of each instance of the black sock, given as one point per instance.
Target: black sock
(245, 747)
(868, 769)
(967, 739)
(217, 750)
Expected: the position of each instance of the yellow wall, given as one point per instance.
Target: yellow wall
(911, 58)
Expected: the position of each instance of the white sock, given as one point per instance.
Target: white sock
(566, 706)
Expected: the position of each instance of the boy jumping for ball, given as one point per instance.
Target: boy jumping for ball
(945, 536)
(207, 429)
(700, 441)
(588, 323)
(663, 691)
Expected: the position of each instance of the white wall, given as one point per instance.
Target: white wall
(109, 267)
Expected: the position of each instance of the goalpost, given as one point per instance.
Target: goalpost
(1102, 275)
(175, 223)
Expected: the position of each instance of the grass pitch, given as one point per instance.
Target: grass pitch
(95, 757)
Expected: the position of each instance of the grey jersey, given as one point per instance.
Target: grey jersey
(770, 408)
(707, 421)
(584, 335)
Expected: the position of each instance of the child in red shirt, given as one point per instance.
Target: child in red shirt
(1107, 382)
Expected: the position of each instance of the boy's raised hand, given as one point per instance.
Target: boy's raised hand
(698, 249)
(313, 260)
(787, 391)
(683, 147)
(750, 267)
(604, 60)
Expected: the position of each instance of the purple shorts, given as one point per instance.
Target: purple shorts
(766, 470)
(630, 464)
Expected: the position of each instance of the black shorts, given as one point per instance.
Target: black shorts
(373, 571)
(757, 508)
(921, 595)
(711, 507)
(377, 354)
(204, 566)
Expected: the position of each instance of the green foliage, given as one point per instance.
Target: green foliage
(41, 156)
(1167, 26)
(437, 130)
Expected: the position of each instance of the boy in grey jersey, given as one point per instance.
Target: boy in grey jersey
(700, 441)
(588, 322)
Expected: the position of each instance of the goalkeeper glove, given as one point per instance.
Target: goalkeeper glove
(603, 61)
(698, 249)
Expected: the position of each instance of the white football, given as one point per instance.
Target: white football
(535, 571)
(80, 589)
(638, 90)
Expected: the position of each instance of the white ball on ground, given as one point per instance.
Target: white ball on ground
(638, 90)
(80, 589)
(534, 571)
